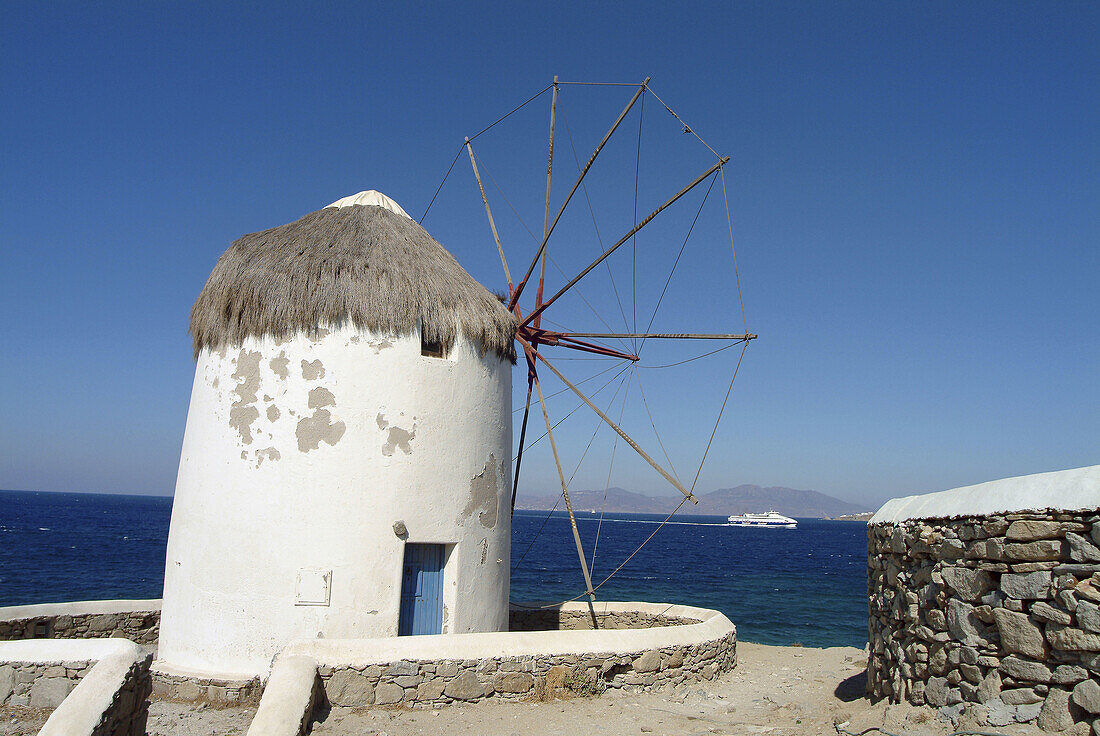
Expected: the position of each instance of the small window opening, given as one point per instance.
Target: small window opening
(433, 348)
(41, 630)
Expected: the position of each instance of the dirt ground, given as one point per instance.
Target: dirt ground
(779, 691)
(17, 720)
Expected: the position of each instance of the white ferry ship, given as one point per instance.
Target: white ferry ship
(772, 519)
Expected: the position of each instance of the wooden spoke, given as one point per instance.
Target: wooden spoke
(549, 172)
(645, 456)
(662, 335)
(489, 212)
(576, 185)
(568, 503)
(519, 455)
(542, 307)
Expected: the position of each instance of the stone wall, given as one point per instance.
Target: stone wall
(143, 626)
(1001, 610)
(39, 684)
(428, 683)
(95, 688)
(221, 693)
(533, 618)
(128, 712)
(82, 621)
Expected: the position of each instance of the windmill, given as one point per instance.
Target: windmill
(539, 343)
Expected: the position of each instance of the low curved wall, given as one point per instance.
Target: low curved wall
(1001, 609)
(424, 671)
(136, 620)
(636, 645)
(97, 687)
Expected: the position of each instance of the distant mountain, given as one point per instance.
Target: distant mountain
(722, 502)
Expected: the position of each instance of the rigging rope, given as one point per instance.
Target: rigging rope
(677, 261)
(654, 425)
(561, 496)
(583, 381)
(602, 84)
(596, 227)
(550, 257)
(620, 567)
(471, 138)
(687, 128)
(607, 484)
(697, 357)
(634, 238)
(719, 419)
(514, 110)
(441, 183)
(578, 406)
(535, 538)
(598, 426)
(736, 272)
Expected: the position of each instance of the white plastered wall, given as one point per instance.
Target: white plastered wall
(301, 454)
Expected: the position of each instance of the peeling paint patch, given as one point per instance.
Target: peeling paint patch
(484, 494)
(355, 339)
(268, 453)
(280, 364)
(484, 550)
(320, 397)
(396, 437)
(272, 413)
(244, 456)
(268, 399)
(241, 418)
(311, 371)
(313, 430)
(247, 376)
(318, 333)
(380, 345)
(217, 380)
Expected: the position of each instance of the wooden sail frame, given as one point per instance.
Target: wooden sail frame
(532, 335)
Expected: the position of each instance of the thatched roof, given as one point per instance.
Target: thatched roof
(363, 263)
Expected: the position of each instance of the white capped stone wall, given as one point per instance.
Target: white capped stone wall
(998, 610)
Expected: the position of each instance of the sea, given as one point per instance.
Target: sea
(803, 586)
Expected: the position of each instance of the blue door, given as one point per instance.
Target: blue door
(421, 590)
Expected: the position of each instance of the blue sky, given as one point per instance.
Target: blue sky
(915, 197)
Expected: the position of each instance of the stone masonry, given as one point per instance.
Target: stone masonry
(47, 684)
(39, 684)
(128, 713)
(428, 683)
(423, 684)
(536, 619)
(999, 610)
(141, 627)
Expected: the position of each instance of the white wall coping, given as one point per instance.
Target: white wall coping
(357, 653)
(1066, 490)
(65, 650)
(288, 698)
(78, 608)
(81, 712)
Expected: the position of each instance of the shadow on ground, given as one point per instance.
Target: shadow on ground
(852, 688)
